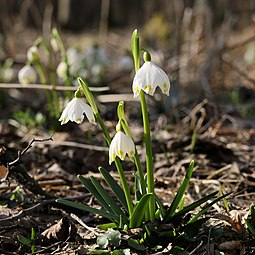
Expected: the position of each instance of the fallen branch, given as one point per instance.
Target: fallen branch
(19, 173)
(49, 87)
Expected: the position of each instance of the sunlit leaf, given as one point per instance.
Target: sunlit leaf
(180, 192)
(139, 210)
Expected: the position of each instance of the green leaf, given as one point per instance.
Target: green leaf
(193, 206)
(207, 207)
(86, 208)
(135, 244)
(114, 237)
(121, 252)
(252, 211)
(139, 210)
(161, 211)
(138, 188)
(92, 189)
(180, 192)
(107, 198)
(107, 226)
(114, 186)
(99, 252)
(250, 227)
(103, 241)
(24, 240)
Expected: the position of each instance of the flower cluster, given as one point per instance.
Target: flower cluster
(147, 78)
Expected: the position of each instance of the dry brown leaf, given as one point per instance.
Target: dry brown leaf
(230, 246)
(61, 231)
(3, 172)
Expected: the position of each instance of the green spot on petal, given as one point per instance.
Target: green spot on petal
(164, 85)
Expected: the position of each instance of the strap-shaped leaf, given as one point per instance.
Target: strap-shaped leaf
(250, 227)
(138, 188)
(107, 198)
(191, 207)
(207, 207)
(180, 192)
(91, 188)
(252, 211)
(114, 187)
(87, 208)
(139, 210)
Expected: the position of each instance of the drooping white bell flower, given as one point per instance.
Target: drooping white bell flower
(62, 69)
(120, 146)
(32, 54)
(148, 78)
(27, 74)
(75, 110)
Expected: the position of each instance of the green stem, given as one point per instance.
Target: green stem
(42, 76)
(149, 163)
(118, 166)
(136, 159)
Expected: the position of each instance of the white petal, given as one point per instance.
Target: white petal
(74, 112)
(89, 113)
(121, 146)
(148, 78)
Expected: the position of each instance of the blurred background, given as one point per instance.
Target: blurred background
(206, 47)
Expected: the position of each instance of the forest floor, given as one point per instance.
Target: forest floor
(216, 133)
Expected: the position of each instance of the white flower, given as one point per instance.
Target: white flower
(62, 69)
(32, 54)
(148, 77)
(54, 44)
(74, 112)
(27, 74)
(7, 74)
(120, 146)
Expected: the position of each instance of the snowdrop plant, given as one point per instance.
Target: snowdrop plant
(124, 210)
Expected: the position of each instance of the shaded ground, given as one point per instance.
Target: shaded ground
(224, 157)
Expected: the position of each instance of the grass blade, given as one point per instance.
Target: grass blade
(180, 192)
(114, 187)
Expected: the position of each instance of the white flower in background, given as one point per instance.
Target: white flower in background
(32, 54)
(120, 146)
(7, 74)
(62, 70)
(148, 78)
(54, 44)
(95, 55)
(73, 56)
(74, 112)
(27, 74)
(125, 64)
